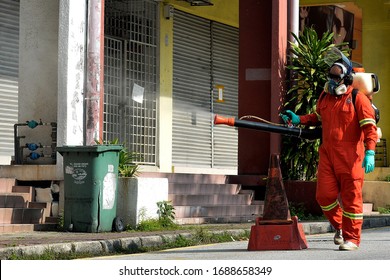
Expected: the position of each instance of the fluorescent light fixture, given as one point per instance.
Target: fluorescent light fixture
(200, 2)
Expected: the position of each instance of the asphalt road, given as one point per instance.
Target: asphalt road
(375, 245)
(321, 261)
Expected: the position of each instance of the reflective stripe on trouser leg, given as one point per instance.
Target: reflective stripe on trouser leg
(352, 201)
(333, 214)
(352, 227)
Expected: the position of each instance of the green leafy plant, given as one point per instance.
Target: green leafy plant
(165, 220)
(127, 160)
(166, 213)
(384, 210)
(127, 166)
(149, 225)
(61, 221)
(308, 68)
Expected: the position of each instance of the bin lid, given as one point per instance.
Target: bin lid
(89, 149)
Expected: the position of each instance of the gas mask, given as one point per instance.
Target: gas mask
(335, 88)
(336, 84)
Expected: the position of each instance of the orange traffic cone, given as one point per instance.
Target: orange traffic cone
(276, 230)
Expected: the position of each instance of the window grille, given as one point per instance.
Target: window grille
(131, 61)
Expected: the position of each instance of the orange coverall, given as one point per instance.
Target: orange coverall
(347, 131)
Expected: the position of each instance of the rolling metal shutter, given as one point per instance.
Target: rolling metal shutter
(191, 143)
(205, 54)
(225, 72)
(9, 73)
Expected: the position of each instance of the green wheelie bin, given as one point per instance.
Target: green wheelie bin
(90, 188)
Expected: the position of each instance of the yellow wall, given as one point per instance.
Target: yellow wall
(376, 55)
(376, 52)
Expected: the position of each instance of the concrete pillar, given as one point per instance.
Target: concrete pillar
(81, 55)
(71, 69)
(255, 21)
(263, 44)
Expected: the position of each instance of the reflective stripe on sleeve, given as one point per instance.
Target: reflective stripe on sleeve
(367, 121)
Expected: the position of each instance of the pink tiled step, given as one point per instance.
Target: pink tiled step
(210, 199)
(209, 220)
(21, 216)
(181, 188)
(46, 206)
(218, 211)
(9, 228)
(14, 200)
(6, 184)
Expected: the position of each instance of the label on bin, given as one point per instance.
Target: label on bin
(109, 190)
(77, 171)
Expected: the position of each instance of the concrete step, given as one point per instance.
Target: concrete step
(248, 180)
(52, 220)
(10, 228)
(188, 188)
(218, 211)
(14, 200)
(6, 184)
(21, 216)
(216, 220)
(188, 178)
(48, 226)
(251, 192)
(257, 202)
(46, 206)
(28, 192)
(213, 199)
(19, 212)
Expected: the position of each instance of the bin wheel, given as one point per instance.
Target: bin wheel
(118, 225)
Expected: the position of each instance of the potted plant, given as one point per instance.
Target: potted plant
(127, 166)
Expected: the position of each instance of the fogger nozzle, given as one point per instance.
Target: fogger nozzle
(310, 134)
(222, 120)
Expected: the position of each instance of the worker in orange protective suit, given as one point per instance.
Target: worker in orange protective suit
(349, 137)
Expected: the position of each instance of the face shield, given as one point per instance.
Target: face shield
(335, 85)
(334, 55)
